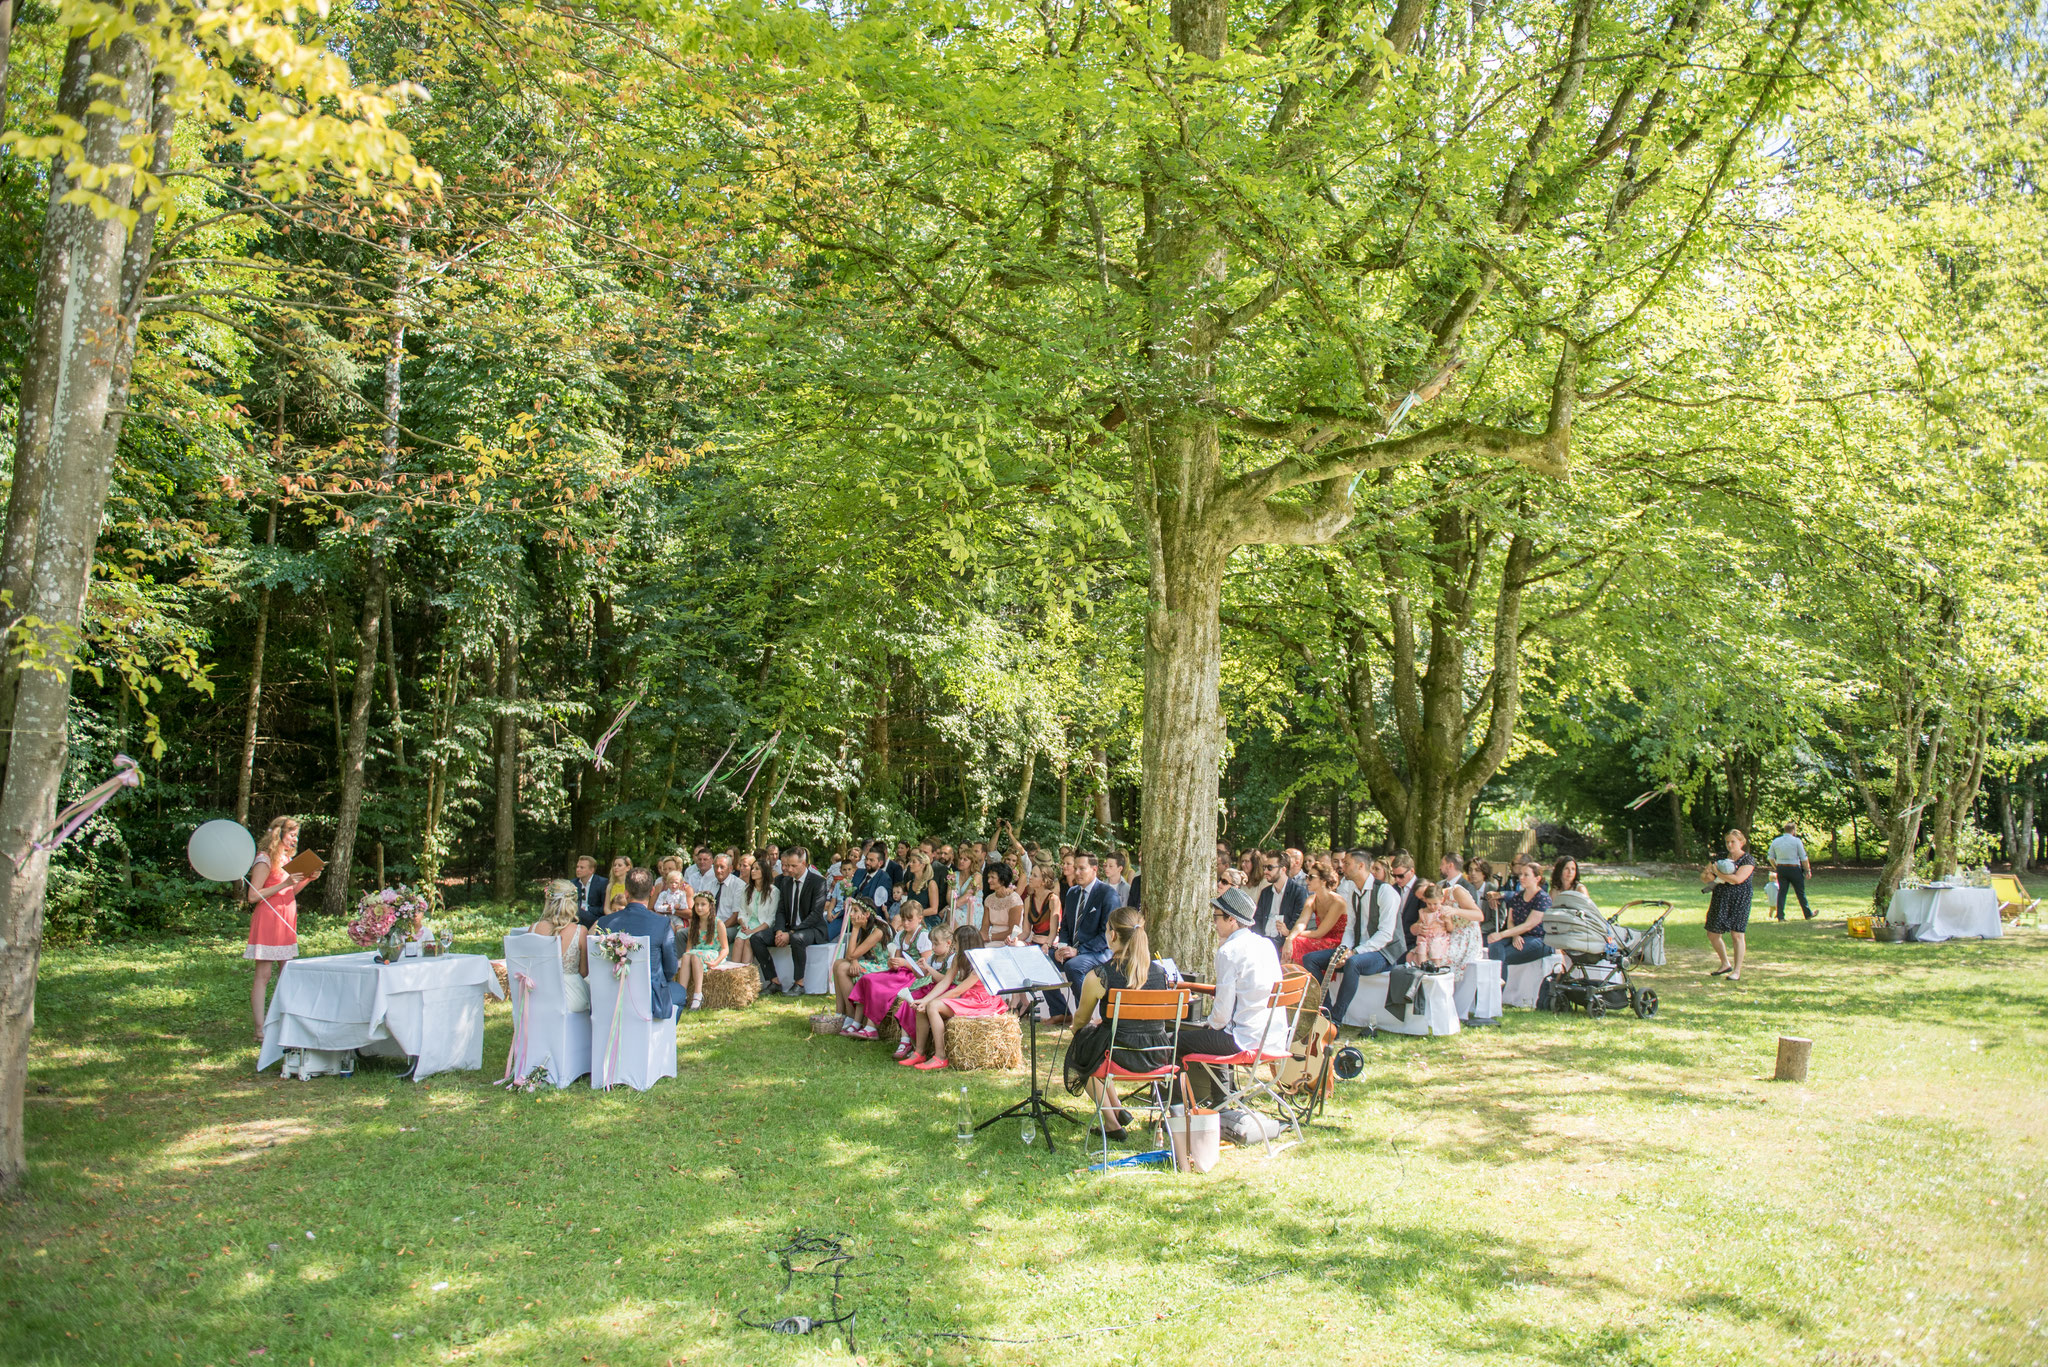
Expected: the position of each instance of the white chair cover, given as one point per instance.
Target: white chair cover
(1519, 989)
(627, 1046)
(1436, 1013)
(1478, 990)
(817, 967)
(545, 1033)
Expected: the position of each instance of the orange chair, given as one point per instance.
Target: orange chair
(1135, 1004)
(1274, 1051)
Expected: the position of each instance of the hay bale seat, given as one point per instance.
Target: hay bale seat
(504, 978)
(978, 1043)
(731, 986)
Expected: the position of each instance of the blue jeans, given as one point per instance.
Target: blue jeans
(1359, 965)
(1530, 952)
(1077, 970)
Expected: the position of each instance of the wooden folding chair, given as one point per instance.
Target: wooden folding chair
(1135, 1004)
(1274, 1051)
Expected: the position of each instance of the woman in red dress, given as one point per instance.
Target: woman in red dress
(274, 924)
(1323, 926)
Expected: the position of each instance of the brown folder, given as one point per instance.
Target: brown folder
(307, 862)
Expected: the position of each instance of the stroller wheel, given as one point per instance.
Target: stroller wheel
(1645, 1004)
(1595, 1006)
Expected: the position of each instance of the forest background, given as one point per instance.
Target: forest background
(735, 385)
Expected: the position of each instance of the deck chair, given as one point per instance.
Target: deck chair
(2014, 905)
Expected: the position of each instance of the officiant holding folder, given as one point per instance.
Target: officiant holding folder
(273, 886)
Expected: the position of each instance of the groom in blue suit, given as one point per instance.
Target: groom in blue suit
(1084, 931)
(636, 919)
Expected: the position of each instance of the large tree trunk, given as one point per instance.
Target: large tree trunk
(391, 682)
(505, 867)
(1024, 793)
(1105, 815)
(1183, 715)
(40, 367)
(245, 776)
(95, 348)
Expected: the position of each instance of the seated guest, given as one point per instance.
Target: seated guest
(1002, 910)
(799, 920)
(872, 992)
(1564, 877)
(638, 918)
(706, 946)
(1466, 945)
(732, 904)
(757, 913)
(1042, 907)
(921, 888)
(1084, 930)
(1247, 970)
(1113, 874)
(1430, 941)
(702, 875)
(864, 949)
(1486, 892)
(960, 993)
(615, 892)
(1280, 901)
(930, 981)
(1379, 941)
(871, 882)
(590, 891)
(1520, 938)
(562, 919)
(1139, 1045)
(674, 899)
(1322, 923)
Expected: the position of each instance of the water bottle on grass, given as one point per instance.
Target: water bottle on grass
(963, 1128)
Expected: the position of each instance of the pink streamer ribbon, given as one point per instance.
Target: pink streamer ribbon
(521, 1031)
(126, 775)
(622, 972)
(611, 733)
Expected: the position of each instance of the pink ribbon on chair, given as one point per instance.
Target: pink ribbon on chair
(622, 973)
(520, 1030)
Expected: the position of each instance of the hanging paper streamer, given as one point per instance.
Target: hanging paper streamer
(755, 756)
(126, 775)
(704, 784)
(766, 750)
(618, 722)
(1637, 805)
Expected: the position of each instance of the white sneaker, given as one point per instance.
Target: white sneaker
(697, 1003)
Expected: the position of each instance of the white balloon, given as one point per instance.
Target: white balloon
(221, 850)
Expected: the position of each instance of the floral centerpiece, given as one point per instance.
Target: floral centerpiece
(378, 913)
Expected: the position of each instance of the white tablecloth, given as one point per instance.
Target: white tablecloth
(431, 1010)
(1946, 913)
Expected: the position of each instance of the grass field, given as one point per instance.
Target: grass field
(1556, 1191)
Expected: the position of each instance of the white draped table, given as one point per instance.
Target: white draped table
(1936, 913)
(430, 1010)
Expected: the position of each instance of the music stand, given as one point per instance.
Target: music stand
(1004, 969)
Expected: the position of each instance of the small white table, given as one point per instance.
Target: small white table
(430, 1010)
(1937, 913)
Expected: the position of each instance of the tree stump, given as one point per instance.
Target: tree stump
(975, 1043)
(1793, 1055)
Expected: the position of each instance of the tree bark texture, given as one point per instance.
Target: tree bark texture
(1024, 792)
(505, 864)
(93, 338)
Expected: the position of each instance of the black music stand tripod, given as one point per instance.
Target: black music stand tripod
(1003, 977)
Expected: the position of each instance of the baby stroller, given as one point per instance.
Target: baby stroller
(1645, 947)
(1596, 974)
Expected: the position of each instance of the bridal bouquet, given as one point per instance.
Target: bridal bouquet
(377, 912)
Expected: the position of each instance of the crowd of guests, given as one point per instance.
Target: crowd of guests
(903, 919)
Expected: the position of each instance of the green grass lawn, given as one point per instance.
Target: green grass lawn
(1554, 1191)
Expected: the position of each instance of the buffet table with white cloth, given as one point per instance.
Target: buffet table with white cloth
(430, 1010)
(1938, 913)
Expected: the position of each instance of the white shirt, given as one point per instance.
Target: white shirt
(1387, 940)
(701, 880)
(1788, 849)
(732, 897)
(1247, 969)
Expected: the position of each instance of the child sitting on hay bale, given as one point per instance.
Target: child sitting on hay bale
(959, 993)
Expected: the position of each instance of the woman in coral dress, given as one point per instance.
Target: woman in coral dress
(1323, 927)
(274, 924)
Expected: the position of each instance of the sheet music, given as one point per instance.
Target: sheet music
(1015, 968)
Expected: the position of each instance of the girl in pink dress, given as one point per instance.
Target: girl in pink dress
(959, 993)
(274, 924)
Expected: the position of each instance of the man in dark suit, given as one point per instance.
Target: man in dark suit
(800, 913)
(1084, 930)
(1401, 873)
(636, 918)
(590, 890)
(1280, 903)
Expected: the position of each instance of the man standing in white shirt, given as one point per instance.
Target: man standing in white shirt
(1788, 854)
(700, 876)
(1247, 970)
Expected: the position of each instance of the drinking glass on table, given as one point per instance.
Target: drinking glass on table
(447, 939)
